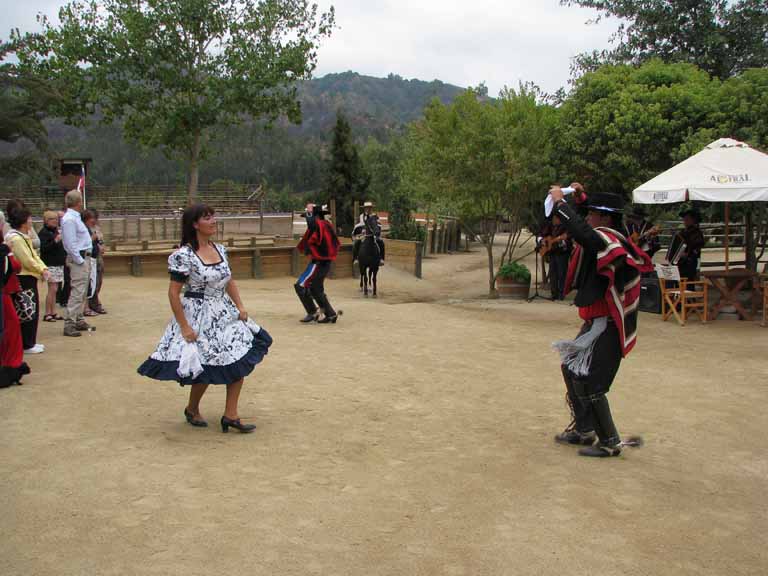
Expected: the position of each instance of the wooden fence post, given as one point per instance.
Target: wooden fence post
(256, 267)
(419, 252)
(136, 266)
(295, 262)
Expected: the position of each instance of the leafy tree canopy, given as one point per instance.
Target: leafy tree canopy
(175, 69)
(24, 103)
(720, 36)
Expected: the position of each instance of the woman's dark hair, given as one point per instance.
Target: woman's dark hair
(18, 217)
(14, 204)
(191, 217)
(87, 215)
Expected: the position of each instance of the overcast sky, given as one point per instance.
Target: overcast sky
(463, 42)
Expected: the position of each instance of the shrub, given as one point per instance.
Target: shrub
(515, 271)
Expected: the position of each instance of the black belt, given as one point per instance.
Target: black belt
(201, 295)
(84, 253)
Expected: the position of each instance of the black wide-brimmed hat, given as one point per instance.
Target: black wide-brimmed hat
(604, 202)
(638, 211)
(692, 212)
(320, 210)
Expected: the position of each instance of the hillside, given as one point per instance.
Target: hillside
(286, 156)
(372, 104)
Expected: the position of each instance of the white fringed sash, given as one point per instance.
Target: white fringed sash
(576, 355)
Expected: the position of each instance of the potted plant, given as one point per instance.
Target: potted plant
(513, 281)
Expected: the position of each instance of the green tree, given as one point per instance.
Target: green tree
(174, 70)
(347, 178)
(382, 162)
(24, 104)
(621, 124)
(487, 161)
(721, 37)
(402, 225)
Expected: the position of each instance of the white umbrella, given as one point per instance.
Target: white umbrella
(725, 171)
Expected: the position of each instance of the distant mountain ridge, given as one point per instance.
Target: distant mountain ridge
(370, 103)
(287, 155)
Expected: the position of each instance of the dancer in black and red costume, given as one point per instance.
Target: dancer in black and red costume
(321, 244)
(12, 365)
(605, 268)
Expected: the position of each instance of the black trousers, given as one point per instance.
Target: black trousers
(29, 329)
(689, 268)
(94, 303)
(310, 287)
(558, 270)
(586, 394)
(62, 294)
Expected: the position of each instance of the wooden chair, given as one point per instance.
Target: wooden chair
(681, 298)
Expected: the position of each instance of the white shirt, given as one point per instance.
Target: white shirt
(75, 235)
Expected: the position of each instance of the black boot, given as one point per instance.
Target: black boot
(581, 431)
(575, 438)
(309, 318)
(609, 442)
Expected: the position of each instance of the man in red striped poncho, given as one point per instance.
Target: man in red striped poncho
(605, 268)
(322, 246)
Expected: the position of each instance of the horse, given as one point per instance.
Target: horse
(369, 258)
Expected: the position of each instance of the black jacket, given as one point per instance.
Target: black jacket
(591, 286)
(52, 253)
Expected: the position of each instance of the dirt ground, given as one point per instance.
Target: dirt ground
(412, 438)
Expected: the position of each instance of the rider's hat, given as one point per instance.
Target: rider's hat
(368, 205)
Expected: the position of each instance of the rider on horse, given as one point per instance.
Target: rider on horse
(368, 225)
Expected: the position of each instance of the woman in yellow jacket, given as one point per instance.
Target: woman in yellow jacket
(32, 270)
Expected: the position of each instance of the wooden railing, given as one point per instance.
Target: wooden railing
(135, 199)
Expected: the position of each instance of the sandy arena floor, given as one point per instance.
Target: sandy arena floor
(412, 438)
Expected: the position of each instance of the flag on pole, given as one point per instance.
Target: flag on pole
(81, 182)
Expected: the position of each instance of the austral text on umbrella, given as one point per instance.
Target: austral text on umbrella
(730, 179)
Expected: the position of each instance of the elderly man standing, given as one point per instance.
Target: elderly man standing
(77, 243)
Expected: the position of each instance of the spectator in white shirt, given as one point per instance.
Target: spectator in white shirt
(77, 243)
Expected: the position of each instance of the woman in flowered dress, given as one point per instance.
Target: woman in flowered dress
(209, 313)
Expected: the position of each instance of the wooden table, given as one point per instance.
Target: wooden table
(729, 295)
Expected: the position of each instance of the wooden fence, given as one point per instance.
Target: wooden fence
(126, 229)
(252, 261)
(136, 199)
(404, 255)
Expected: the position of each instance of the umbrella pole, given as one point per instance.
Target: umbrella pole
(727, 234)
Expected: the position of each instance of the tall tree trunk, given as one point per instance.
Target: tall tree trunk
(193, 175)
(491, 269)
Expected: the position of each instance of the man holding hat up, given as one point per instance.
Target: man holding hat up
(605, 269)
(368, 224)
(321, 244)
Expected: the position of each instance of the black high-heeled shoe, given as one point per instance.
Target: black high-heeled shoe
(244, 428)
(191, 420)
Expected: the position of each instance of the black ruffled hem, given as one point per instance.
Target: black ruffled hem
(161, 370)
